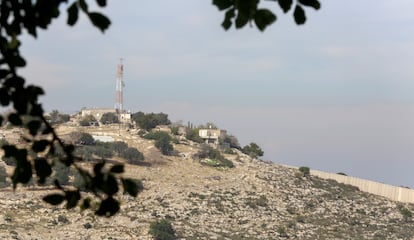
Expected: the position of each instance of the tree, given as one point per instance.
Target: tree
(132, 155)
(17, 17)
(86, 139)
(86, 120)
(118, 147)
(109, 118)
(162, 141)
(232, 141)
(57, 118)
(150, 120)
(253, 150)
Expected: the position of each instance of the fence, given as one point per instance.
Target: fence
(400, 194)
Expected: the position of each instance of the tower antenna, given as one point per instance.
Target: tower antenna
(119, 101)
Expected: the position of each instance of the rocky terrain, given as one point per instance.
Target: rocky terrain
(253, 200)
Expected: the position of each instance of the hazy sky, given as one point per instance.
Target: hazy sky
(336, 94)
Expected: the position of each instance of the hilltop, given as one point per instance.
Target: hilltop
(253, 200)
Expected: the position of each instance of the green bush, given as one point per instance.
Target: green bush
(84, 152)
(109, 118)
(192, 135)
(305, 171)
(61, 173)
(118, 147)
(132, 155)
(162, 141)
(102, 151)
(213, 157)
(253, 150)
(162, 230)
(85, 139)
(3, 177)
(150, 120)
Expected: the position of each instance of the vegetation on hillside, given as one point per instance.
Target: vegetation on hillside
(162, 141)
(109, 118)
(150, 120)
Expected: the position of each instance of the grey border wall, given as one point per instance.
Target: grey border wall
(399, 194)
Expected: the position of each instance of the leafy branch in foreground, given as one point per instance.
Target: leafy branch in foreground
(43, 146)
(241, 12)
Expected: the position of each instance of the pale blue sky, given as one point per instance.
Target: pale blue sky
(335, 94)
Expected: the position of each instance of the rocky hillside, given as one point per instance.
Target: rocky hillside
(253, 200)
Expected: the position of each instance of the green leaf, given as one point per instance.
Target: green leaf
(15, 119)
(4, 73)
(22, 173)
(72, 198)
(311, 3)
(285, 5)
(34, 126)
(54, 199)
(83, 5)
(299, 15)
(40, 146)
(98, 167)
(43, 169)
(264, 18)
(99, 20)
(86, 203)
(226, 24)
(110, 186)
(130, 186)
(18, 61)
(101, 3)
(10, 150)
(119, 168)
(241, 20)
(4, 97)
(108, 207)
(73, 13)
(223, 4)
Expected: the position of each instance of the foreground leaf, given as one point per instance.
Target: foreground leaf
(54, 199)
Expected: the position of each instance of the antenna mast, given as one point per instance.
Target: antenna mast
(119, 101)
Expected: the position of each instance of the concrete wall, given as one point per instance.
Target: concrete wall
(399, 194)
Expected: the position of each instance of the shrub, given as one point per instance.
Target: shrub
(85, 121)
(132, 155)
(212, 157)
(253, 150)
(162, 230)
(86, 139)
(192, 135)
(62, 173)
(305, 171)
(118, 147)
(3, 177)
(405, 212)
(164, 145)
(150, 120)
(103, 152)
(162, 141)
(84, 152)
(109, 118)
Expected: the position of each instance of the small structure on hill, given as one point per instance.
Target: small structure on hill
(212, 136)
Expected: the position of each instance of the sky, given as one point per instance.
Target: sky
(335, 94)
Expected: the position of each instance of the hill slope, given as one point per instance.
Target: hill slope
(253, 200)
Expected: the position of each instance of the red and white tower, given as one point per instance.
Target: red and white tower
(119, 101)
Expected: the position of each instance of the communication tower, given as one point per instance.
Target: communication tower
(119, 101)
